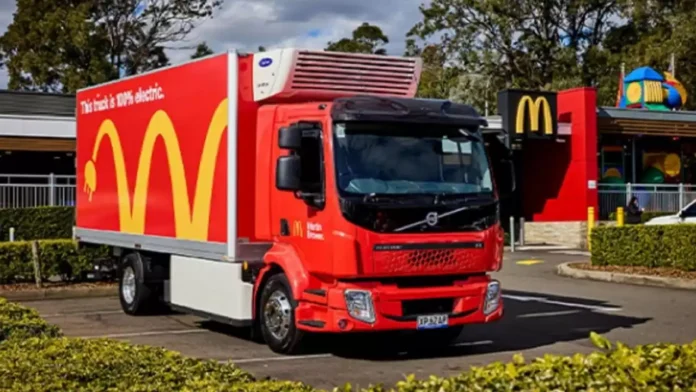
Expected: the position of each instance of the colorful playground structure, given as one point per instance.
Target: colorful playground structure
(645, 88)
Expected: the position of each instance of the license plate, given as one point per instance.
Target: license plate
(432, 321)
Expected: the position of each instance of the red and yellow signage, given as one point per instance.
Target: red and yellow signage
(152, 156)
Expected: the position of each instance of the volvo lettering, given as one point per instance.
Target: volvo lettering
(293, 192)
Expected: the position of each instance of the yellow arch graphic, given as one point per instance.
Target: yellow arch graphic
(533, 107)
(191, 224)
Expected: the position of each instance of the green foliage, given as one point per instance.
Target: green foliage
(202, 50)
(670, 246)
(655, 367)
(366, 38)
(645, 216)
(37, 223)
(20, 322)
(96, 365)
(57, 258)
(33, 357)
(62, 46)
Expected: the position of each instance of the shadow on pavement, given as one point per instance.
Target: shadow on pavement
(531, 320)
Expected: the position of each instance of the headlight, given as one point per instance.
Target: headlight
(359, 304)
(492, 301)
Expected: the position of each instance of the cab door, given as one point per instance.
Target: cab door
(303, 215)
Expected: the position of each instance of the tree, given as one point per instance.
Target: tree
(366, 38)
(526, 44)
(261, 49)
(202, 50)
(66, 45)
(438, 79)
(64, 52)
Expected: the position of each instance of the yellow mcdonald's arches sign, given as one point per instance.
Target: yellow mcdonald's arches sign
(190, 224)
(297, 229)
(534, 107)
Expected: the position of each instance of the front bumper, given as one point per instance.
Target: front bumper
(397, 308)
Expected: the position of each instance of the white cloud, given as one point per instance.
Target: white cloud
(246, 24)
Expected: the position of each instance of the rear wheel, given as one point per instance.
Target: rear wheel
(135, 296)
(277, 316)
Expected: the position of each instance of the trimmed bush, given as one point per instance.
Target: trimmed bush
(655, 367)
(644, 217)
(671, 246)
(20, 322)
(37, 223)
(58, 258)
(69, 364)
(37, 359)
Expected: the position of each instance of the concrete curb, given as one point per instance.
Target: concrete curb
(61, 293)
(615, 277)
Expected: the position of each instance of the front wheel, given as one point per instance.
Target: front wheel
(277, 316)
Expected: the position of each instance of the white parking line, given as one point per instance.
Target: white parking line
(148, 333)
(561, 303)
(73, 314)
(472, 344)
(276, 359)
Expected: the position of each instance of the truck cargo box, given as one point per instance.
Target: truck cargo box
(157, 164)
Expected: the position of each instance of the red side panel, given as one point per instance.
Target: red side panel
(151, 153)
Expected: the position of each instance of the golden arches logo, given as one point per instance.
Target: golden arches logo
(190, 224)
(533, 108)
(297, 229)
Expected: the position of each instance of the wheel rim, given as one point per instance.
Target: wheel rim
(277, 315)
(128, 285)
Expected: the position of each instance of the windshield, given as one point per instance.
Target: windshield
(394, 159)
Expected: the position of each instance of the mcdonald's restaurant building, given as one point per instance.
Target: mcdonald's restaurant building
(562, 145)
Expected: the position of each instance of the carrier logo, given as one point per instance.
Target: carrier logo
(265, 62)
(534, 107)
(190, 223)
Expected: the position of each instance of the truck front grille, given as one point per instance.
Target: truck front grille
(427, 306)
(430, 261)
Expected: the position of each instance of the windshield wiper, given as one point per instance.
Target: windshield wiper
(387, 197)
(444, 197)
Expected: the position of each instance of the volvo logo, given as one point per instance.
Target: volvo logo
(431, 218)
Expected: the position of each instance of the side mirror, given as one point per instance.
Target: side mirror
(288, 171)
(680, 214)
(290, 137)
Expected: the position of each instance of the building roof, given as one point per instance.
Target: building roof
(646, 122)
(25, 103)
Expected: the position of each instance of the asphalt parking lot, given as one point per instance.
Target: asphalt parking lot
(545, 313)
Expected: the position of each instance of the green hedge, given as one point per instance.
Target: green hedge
(644, 217)
(64, 364)
(671, 246)
(659, 367)
(37, 223)
(57, 258)
(38, 359)
(20, 322)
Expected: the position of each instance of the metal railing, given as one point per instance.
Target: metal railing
(652, 197)
(28, 190)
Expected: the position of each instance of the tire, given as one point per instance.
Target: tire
(135, 296)
(277, 316)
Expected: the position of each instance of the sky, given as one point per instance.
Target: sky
(309, 24)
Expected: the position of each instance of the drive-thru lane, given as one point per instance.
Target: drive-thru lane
(545, 313)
